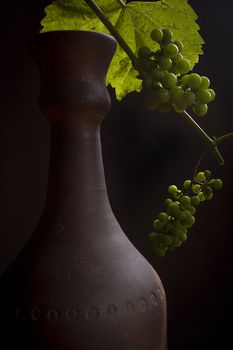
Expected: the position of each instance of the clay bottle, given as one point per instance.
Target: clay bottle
(79, 283)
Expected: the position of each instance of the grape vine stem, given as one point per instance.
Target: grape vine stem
(198, 164)
(121, 3)
(99, 13)
(210, 143)
(223, 137)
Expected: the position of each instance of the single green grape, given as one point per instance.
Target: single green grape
(167, 36)
(176, 94)
(163, 217)
(171, 50)
(168, 201)
(157, 35)
(153, 237)
(169, 80)
(200, 109)
(194, 81)
(185, 201)
(179, 215)
(183, 229)
(208, 196)
(165, 63)
(162, 95)
(157, 74)
(177, 58)
(179, 108)
(184, 80)
(183, 66)
(189, 219)
(176, 242)
(189, 98)
(179, 44)
(207, 174)
(217, 184)
(212, 92)
(203, 96)
(201, 196)
(173, 208)
(166, 240)
(145, 52)
(195, 201)
(177, 194)
(205, 83)
(196, 188)
(207, 190)
(191, 209)
(183, 236)
(187, 184)
(172, 189)
(175, 228)
(201, 176)
(157, 224)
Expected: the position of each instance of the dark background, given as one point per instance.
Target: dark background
(143, 153)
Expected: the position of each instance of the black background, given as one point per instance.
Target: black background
(143, 153)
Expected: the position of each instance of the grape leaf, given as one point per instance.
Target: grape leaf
(134, 22)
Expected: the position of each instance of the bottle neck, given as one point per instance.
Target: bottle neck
(76, 166)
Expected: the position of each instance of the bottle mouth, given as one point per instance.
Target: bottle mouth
(73, 40)
(74, 34)
(73, 67)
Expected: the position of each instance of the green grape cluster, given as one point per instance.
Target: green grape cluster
(171, 225)
(165, 78)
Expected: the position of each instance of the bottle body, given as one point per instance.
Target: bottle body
(109, 296)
